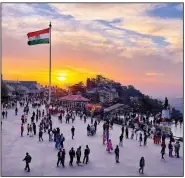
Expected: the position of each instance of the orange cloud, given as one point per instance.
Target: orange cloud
(154, 74)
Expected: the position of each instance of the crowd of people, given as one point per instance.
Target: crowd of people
(140, 130)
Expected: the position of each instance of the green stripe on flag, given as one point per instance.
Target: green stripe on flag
(40, 41)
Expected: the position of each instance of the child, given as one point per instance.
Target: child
(141, 164)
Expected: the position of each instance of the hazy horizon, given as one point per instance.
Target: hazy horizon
(139, 44)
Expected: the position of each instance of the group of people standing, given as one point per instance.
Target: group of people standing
(72, 154)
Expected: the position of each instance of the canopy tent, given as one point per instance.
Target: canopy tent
(73, 100)
(78, 98)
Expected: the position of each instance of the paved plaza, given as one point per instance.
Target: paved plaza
(44, 154)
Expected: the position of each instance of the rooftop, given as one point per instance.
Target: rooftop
(73, 98)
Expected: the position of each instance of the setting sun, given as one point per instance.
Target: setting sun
(61, 78)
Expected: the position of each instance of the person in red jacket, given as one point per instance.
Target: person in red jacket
(22, 130)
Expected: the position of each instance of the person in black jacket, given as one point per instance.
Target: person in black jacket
(85, 118)
(95, 125)
(37, 117)
(141, 164)
(40, 135)
(140, 139)
(126, 132)
(116, 151)
(121, 140)
(122, 130)
(27, 159)
(86, 154)
(145, 139)
(16, 111)
(78, 155)
(3, 114)
(88, 130)
(72, 155)
(63, 157)
(163, 152)
(34, 128)
(59, 155)
(73, 132)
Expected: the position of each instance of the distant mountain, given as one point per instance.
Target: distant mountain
(177, 103)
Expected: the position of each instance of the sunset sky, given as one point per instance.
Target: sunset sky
(137, 44)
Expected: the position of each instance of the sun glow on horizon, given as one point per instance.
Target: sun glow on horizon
(62, 77)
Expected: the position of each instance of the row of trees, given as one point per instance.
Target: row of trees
(4, 90)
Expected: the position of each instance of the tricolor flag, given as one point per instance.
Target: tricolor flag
(39, 37)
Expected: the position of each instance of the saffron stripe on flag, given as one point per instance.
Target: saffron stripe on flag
(31, 34)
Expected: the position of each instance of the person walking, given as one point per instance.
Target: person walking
(145, 139)
(27, 159)
(78, 155)
(50, 133)
(92, 120)
(16, 111)
(109, 146)
(88, 130)
(6, 114)
(22, 130)
(71, 155)
(136, 132)
(177, 148)
(95, 126)
(62, 139)
(28, 128)
(170, 147)
(121, 140)
(163, 145)
(59, 155)
(132, 134)
(3, 114)
(122, 129)
(37, 117)
(31, 130)
(40, 135)
(86, 154)
(126, 132)
(140, 139)
(63, 157)
(34, 128)
(116, 151)
(85, 118)
(141, 165)
(22, 119)
(73, 132)
(107, 135)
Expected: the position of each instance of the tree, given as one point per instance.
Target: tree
(4, 90)
(79, 87)
(100, 78)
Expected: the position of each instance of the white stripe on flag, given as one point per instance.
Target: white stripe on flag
(41, 36)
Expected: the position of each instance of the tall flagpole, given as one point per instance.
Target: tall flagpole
(50, 65)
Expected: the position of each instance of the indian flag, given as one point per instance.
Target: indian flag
(39, 37)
